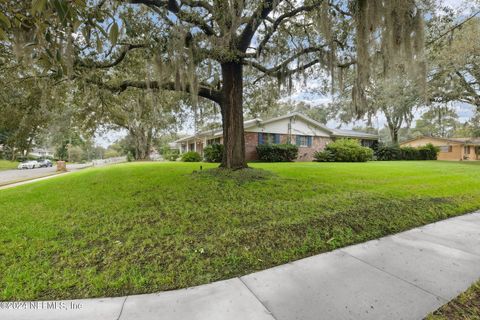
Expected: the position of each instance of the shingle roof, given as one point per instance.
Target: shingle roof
(250, 123)
(353, 134)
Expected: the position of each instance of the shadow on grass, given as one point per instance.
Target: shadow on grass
(238, 176)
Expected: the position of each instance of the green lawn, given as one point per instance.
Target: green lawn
(6, 165)
(464, 307)
(146, 227)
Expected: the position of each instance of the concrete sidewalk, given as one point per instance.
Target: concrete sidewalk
(404, 276)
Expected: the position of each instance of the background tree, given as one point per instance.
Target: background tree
(455, 70)
(397, 99)
(438, 121)
(145, 115)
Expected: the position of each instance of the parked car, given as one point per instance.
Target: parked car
(45, 163)
(29, 165)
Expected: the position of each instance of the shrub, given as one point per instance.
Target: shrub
(213, 152)
(171, 154)
(388, 153)
(324, 156)
(191, 156)
(344, 150)
(409, 153)
(429, 152)
(277, 152)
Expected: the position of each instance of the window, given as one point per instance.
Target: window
(213, 141)
(367, 143)
(445, 148)
(191, 147)
(304, 141)
(466, 149)
(268, 138)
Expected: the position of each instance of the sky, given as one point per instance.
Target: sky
(308, 94)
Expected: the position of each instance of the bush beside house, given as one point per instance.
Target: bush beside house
(191, 156)
(277, 152)
(344, 150)
(394, 152)
(171, 154)
(213, 152)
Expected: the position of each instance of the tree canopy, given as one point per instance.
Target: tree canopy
(201, 48)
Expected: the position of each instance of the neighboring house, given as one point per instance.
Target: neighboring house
(42, 153)
(309, 135)
(455, 149)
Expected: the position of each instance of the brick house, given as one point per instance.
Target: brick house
(309, 135)
(454, 149)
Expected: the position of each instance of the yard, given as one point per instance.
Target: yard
(7, 165)
(147, 227)
(464, 307)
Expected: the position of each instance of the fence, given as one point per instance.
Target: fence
(103, 162)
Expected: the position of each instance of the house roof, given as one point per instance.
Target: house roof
(353, 134)
(467, 141)
(301, 116)
(254, 122)
(218, 131)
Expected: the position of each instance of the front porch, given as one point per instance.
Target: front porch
(197, 144)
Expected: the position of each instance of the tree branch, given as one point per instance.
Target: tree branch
(263, 10)
(106, 65)
(204, 91)
(279, 21)
(199, 4)
(285, 63)
(173, 7)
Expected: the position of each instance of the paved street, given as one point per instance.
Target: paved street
(403, 276)
(10, 176)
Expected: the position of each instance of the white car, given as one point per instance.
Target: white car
(29, 165)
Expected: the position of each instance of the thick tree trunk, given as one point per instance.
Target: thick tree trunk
(232, 116)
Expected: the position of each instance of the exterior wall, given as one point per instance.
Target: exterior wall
(298, 126)
(318, 144)
(251, 143)
(455, 155)
(304, 153)
(472, 155)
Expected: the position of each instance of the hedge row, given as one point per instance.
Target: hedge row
(277, 152)
(394, 152)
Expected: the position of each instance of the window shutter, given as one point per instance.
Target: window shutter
(260, 138)
(298, 142)
(277, 138)
(309, 141)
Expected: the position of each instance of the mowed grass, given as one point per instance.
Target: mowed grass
(7, 165)
(146, 227)
(464, 307)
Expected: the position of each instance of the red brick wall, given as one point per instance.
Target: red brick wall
(318, 144)
(304, 153)
(251, 142)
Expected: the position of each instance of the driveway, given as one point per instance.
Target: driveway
(10, 176)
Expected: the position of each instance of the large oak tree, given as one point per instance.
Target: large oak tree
(201, 47)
